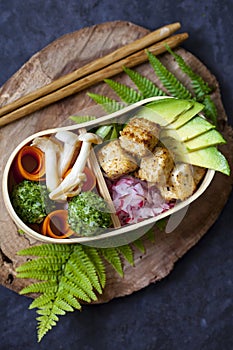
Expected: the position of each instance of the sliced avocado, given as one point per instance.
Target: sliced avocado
(188, 115)
(165, 111)
(209, 138)
(210, 158)
(195, 127)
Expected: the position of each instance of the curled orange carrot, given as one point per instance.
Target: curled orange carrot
(56, 225)
(30, 163)
(90, 182)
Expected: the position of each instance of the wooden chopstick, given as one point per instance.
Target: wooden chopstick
(83, 83)
(94, 66)
(103, 189)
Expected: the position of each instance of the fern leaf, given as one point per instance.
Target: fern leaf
(38, 275)
(71, 300)
(53, 263)
(125, 93)
(94, 256)
(63, 305)
(146, 87)
(139, 244)
(112, 257)
(169, 81)
(67, 288)
(47, 250)
(127, 252)
(201, 88)
(79, 119)
(83, 281)
(68, 275)
(47, 311)
(41, 301)
(48, 319)
(86, 265)
(210, 109)
(161, 224)
(108, 104)
(48, 287)
(151, 235)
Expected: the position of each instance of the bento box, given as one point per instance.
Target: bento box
(107, 181)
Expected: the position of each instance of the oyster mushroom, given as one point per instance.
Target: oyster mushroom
(51, 151)
(72, 184)
(71, 142)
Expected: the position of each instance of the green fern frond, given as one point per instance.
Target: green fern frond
(53, 263)
(49, 316)
(161, 224)
(47, 250)
(38, 275)
(48, 312)
(62, 305)
(72, 301)
(113, 257)
(65, 280)
(108, 104)
(139, 245)
(67, 287)
(79, 119)
(201, 88)
(76, 275)
(169, 81)
(94, 256)
(41, 301)
(151, 235)
(210, 109)
(146, 87)
(127, 252)
(48, 287)
(87, 266)
(125, 93)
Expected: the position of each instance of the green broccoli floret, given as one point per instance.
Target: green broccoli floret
(88, 214)
(31, 201)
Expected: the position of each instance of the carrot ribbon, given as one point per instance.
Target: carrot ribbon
(30, 164)
(56, 225)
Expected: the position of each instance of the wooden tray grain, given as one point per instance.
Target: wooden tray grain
(60, 57)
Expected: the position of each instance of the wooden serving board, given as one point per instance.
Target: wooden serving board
(63, 56)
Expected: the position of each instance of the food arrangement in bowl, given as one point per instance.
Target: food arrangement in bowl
(113, 177)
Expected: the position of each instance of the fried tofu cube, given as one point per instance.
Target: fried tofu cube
(115, 161)
(139, 136)
(198, 174)
(181, 183)
(157, 167)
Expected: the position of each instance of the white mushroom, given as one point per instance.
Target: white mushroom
(51, 151)
(71, 185)
(71, 142)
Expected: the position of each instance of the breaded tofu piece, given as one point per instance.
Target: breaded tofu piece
(115, 161)
(139, 136)
(198, 173)
(157, 167)
(180, 185)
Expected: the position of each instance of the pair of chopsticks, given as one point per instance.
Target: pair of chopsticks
(94, 72)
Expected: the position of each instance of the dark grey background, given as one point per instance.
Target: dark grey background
(191, 308)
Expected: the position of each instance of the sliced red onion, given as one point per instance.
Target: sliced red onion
(136, 200)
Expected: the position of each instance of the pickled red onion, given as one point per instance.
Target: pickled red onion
(136, 200)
